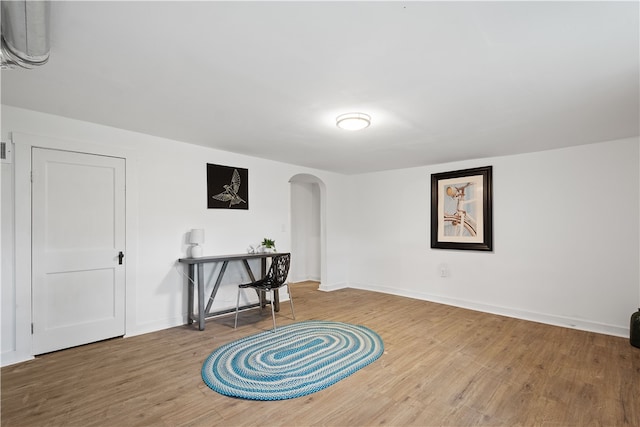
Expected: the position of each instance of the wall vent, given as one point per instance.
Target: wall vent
(5, 152)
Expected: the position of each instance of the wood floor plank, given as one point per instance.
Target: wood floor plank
(441, 366)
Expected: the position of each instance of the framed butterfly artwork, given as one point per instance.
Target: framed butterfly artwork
(227, 187)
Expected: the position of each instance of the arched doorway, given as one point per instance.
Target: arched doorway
(308, 231)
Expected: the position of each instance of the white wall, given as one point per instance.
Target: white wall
(566, 231)
(314, 244)
(305, 228)
(566, 238)
(170, 188)
(7, 293)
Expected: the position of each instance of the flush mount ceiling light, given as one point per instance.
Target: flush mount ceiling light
(353, 121)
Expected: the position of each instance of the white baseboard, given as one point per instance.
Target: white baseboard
(159, 325)
(12, 357)
(549, 319)
(305, 279)
(332, 286)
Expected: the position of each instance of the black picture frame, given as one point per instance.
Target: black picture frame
(462, 209)
(227, 187)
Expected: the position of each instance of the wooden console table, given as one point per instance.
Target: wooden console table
(204, 312)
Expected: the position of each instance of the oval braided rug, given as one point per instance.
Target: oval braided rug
(297, 360)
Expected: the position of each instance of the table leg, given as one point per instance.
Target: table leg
(263, 272)
(249, 272)
(276, 299)
(216, 286)
(190, 285)
(201, 297)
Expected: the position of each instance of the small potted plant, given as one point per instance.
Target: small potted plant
(269, 245)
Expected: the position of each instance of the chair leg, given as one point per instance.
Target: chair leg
(273, 312)
(293, 313)
(235, 325)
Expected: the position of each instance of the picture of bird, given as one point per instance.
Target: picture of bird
(230, 193)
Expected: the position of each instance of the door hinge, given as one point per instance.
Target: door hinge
(32, 329)
(31, 176)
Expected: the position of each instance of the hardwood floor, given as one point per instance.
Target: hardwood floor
(441, 366)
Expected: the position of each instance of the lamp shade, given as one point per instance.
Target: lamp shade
(196, 236)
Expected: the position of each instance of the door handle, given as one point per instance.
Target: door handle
(120, 256)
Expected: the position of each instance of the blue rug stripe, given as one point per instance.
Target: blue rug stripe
(299, 359)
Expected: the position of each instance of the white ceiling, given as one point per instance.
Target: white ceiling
(443, 81)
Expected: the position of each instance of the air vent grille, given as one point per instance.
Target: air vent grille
(5, 152)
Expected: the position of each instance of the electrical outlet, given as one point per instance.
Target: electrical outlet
(443, 270)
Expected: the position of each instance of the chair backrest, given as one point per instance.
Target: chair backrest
(279, 270)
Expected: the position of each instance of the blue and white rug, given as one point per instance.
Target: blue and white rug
(297, 360)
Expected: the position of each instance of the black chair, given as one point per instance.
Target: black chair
(275, 279)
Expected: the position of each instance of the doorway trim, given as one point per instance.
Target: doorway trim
(304, 178)
(22, 188)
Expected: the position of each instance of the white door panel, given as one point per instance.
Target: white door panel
(78, 214)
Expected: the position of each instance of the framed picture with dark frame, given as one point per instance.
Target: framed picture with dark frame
(227, 187)
(461, 209)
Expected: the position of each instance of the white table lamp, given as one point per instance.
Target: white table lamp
(196, 238)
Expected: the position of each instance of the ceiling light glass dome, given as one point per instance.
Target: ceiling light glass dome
(353, 121)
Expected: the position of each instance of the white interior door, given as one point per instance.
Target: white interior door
(78, 231)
